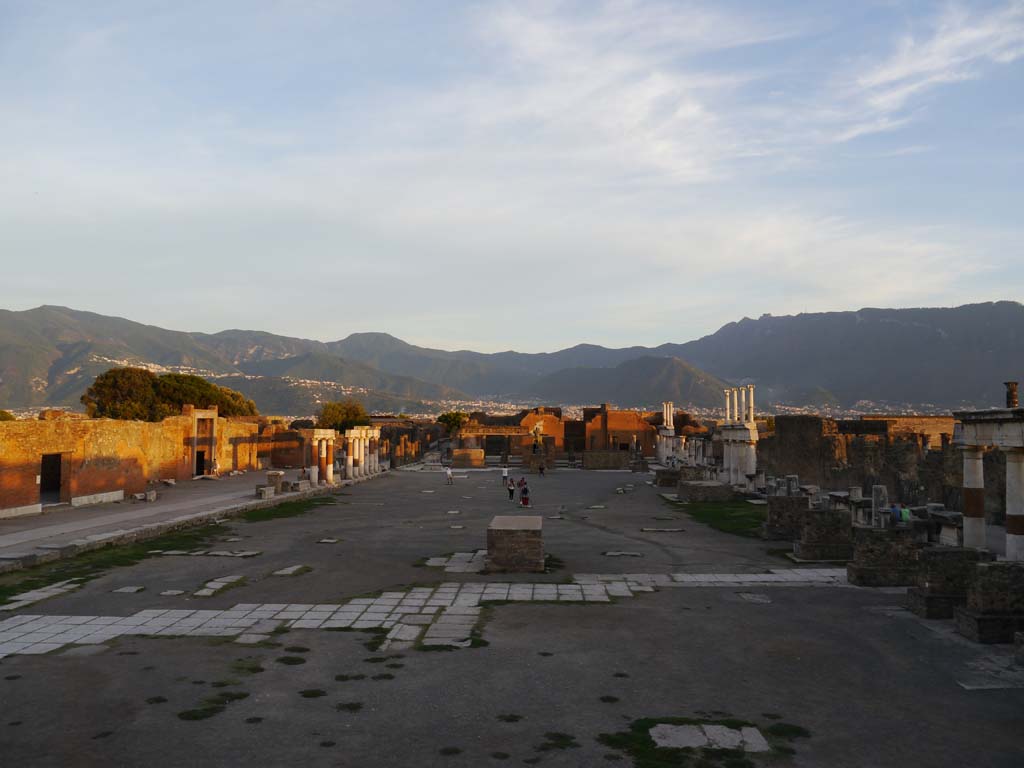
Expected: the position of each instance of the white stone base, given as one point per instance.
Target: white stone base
(1014, 547)
(31, 509)
(974, 533)
(97, 498)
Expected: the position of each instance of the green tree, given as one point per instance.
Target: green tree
(342, 415)
(174, 390)
(6, 416)
(138, 394)
(452, 420)
(122, 393)
(302, 424)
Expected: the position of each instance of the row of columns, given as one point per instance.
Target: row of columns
(322, 460)
(974, 500)
(362, 457)
(739, 404)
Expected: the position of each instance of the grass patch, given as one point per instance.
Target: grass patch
(383, 676)
(312, 693)
(89, 565)
(556, 740)
(545, 653)
(346, 678)
(620, 674)
(253, 720)
(394, 665)
(290, 660)
(736, 517)
(327, 743)
(553, 563)
(201, 713)
(449, 751)
(610, 699)
(156, 700)
(510, 718)
(286, 509)
(296, 649)
(349, 706)
(247, 666)
(500, 755)
(437, 648)
(376, 660)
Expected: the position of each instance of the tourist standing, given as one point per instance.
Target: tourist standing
(504, 475)
(511, 485)
(449, 479)
(524, 495)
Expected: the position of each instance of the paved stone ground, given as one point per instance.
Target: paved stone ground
(716, 624)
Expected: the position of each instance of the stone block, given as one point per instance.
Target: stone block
(515, 543)
(943, 578)
(825, 535)
(466, 458)
(884, 557)
(997, 588)
(264, 492)
(785, 517)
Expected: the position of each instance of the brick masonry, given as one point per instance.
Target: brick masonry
(516, 547)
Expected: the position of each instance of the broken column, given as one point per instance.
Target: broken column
(974, 497)
(1015, 503)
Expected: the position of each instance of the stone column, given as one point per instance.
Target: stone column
(1015, 504)
(743, 404)
(736, 415)
(750, 403)
(322, 460)
(728, 405)
(750, 463)
(330, 462)
(974, 498)
(348, 455)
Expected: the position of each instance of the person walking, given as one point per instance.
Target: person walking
(511, 485)
(504, 475)
(524, 495)
(540, 469)
(449, 479)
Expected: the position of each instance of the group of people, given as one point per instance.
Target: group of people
(898, 514)
(512, 486)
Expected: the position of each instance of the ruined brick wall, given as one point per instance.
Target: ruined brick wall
(238, 445)
(551, 426)
(98, 456)
(610, 429)
(606, 459)
(785, 517)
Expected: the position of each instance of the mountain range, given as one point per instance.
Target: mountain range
(946, 357)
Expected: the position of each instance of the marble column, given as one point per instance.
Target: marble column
(743, 404)
(1015, 504)
(736, 415)
(728, 406)
(750, 403)
(322, 460)
(348, 455)
(974, 498)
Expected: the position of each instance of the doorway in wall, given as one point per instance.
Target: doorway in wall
(200, 463)
(49, 479)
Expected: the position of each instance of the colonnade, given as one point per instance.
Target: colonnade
(739, 437)
(1001, 428)
(362, 455)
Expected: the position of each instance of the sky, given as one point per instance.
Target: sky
(508, 175)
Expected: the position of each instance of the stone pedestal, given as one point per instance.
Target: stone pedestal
(825, 535)
(995, 603)
(515, 543)
(884, 557)
(275, 478)
(943, 578)
(786, 516)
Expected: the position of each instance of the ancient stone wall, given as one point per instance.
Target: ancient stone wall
(105, 456)
(606, 459)
(785, 517)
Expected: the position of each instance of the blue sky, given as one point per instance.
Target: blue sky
(498, 175)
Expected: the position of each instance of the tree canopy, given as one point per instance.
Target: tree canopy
(452, 420)
(140, 395)
(6, 416)
(342, 415)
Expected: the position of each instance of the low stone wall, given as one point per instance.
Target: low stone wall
(884, 557)
(531, 462)
(515, 543)
(468, 458)
(995, 603)
(606, 459)
(943, 578)
(825, 535)
(703, 490)
(666, 478)
(786, 516)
